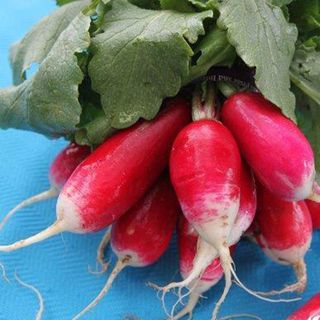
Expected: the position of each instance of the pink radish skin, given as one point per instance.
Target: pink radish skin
(205, 170)
(266, 139)
(113, 178)
(60, 170)
(310, 311)
(188, 239)
(314, 209)
(141, 236)
(284, 233)
(206, 253)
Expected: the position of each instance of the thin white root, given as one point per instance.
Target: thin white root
(38, 294)
(226, 263)
(52, 230)
(120, 265)
(188, 309)
(255, 294)
(4, 274)
(100, 254)
(301, 273)
(241, 315)
(315, 193)
(52, 192)
(204, 257)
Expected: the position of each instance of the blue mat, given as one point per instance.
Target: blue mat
(58, 266)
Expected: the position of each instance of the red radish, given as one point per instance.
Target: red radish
(141, 236)
(187, 239)
(205, 170)
(285, 232)
(60, 170)
(310, 311)
(314, 209)
(205, 253)
(115, 176)
(275, 148)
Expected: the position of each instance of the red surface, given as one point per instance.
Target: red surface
(205, 169)
(273, 145)
(117, 174)
(187, 241)
(310, 311)
(314, 209)
(283, 224)
(146, 229)
(65, 163)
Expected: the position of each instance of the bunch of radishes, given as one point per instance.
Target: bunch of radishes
(125, 183)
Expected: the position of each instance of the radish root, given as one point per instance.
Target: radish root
(226, 263)
(51, 193)
(100, 254)
(38, 294)
(4, 274)
(301, 273)
(256, 294)
(188, 309)
(120, 265)
(52, 230)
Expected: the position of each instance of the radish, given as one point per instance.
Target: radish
(205, 168)
(141, 236)
(187, 239)
(310, 311)
(275, 148)
(284, 233)
(115, 176)
(314, 209)
(205, 253)
(60, 171)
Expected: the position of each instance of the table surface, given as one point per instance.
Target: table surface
(58, 266)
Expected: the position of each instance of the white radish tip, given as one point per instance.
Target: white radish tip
(315, 193)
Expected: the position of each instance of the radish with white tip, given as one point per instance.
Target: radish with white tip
(60, 170)
(115, 176)
(141, 236)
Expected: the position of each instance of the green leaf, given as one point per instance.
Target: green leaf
(94, 126)
(63, 2)
(280, 3)
(38, 42)
(264, 40)
(205, 4)
(141, 57)
(177, 5)
(305, 14)
(214, 50)
(305, 72)
(146, 4)
(48, 101)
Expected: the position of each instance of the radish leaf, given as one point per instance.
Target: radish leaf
(48, 101)
(141, 57)
(38, 42)
(265, 40)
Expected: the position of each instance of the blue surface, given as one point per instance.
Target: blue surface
(58, 266)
